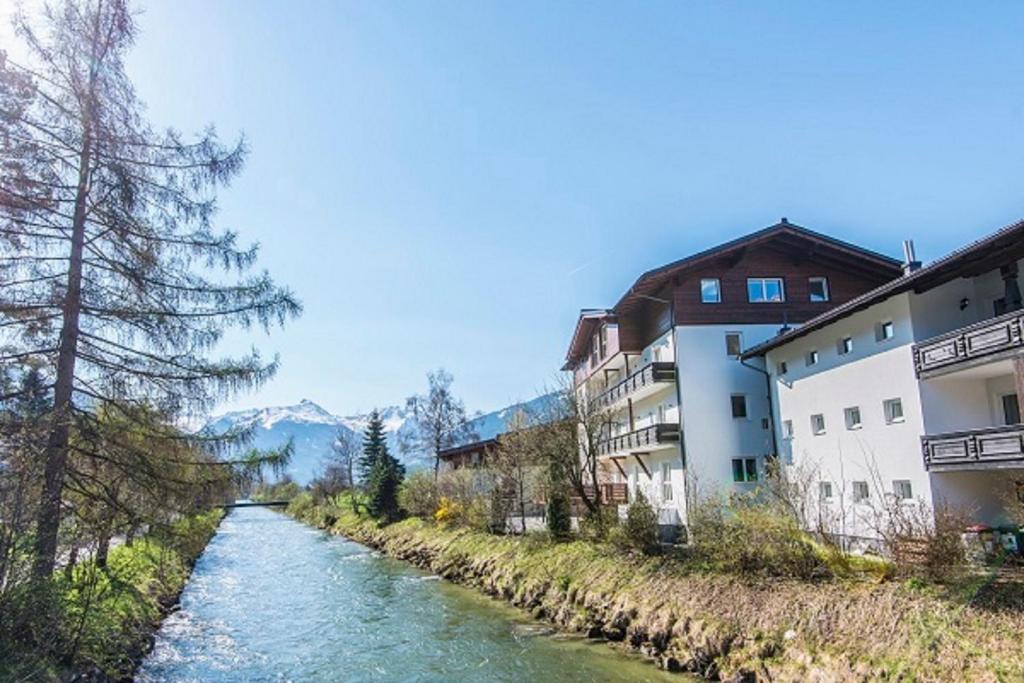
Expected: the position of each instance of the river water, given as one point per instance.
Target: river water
(274, 600)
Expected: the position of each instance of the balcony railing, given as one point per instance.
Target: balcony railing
(611, 493)
(648, 375)
(655, 436)
(987, 338)
(985, 448)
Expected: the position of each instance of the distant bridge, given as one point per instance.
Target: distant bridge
(255, 503)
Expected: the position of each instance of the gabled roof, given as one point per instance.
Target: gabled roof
(784, 231)
(976, 258)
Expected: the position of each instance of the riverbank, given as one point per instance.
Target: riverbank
(102, 620)
(716, 625)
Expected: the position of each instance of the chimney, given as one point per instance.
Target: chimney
(910, 262)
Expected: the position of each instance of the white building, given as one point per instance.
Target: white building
(911, 391)
(683, 412)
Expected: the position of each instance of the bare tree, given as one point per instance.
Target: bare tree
(439, 419)
(515, 461)
(345, 451)
(108, 257)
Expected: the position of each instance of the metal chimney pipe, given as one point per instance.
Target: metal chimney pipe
(910, 262)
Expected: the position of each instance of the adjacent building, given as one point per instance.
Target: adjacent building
(685, 413)
(908, 392)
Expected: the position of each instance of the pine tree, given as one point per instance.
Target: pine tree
(384, 482)
(108, 256)
(375, 445)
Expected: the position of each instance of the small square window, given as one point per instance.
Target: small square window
(844, 346)
(893, 411)
(861, 492)
(787, 429)
(852, 417)
(710, 291)
(812, 357)
(739, 405)
(765, 290)
(765, 424)
(733, 344)
(744, 469)
(825, 490)
(885, 331)
(817, 424)
(818, 287)
(902, 489)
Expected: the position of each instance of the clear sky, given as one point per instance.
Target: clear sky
(448, 183)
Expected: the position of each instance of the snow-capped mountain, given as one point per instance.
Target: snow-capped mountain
(313, 430)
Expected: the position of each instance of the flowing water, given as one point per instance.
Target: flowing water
(274, 600)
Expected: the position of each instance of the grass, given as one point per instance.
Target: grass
(856, 625)
(101, 618)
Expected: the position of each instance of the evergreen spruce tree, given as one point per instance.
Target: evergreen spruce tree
(384, 481)
(375, 444)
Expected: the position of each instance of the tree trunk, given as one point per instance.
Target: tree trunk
(56, 455)
(103, 550)
(69, 568)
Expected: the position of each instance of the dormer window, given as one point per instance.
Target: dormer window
(710, 291)
(762, 290)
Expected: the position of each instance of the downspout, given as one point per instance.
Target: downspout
(771, 412)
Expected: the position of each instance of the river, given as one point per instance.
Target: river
(274, 600)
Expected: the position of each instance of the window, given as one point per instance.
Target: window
(818, 287)
(666, 481)
(710, 291)
(787, 429)
(733, 344)
(852, 417)
(893, 410)
(739, 405)
(1011, 409)
(818, 424)
(860, 491)
(762, 290)
(765, 424)
(603, 340)
(744, 469)
(902, 490)
(783, 368)
(812, 357)
(844, 345)
(884, 331)
(825, 490)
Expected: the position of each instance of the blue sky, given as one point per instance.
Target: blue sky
(448, 183)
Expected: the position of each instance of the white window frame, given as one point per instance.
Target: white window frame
(861, 492)
(762, 282)
(718, 290)
(897, 484)
(890, 416)
(787, 429)
(745, 478)
(810, 295)
(885, 331)
(848, 414)
(666, 481)
(814, 424)
(746, 407)
(739, 338)
(844, 346)
(825, 491)
(812, 358)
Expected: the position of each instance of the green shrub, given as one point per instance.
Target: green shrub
(598, 524)
(639, 532)
(559, 515)
(419, 496)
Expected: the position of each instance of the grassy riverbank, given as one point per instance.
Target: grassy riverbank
(716, 624)
(100, 621)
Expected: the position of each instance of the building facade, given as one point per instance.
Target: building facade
(683, 415)
(910, 394)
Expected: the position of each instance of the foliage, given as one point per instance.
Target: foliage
(439, 419)
(419, 495)
(383, 483)
(559, 514)
(448, 510)
(375, 445)
(283, 488)
(639, 532)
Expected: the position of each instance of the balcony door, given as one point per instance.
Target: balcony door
(1011, 409)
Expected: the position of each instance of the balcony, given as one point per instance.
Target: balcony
(975, 449)
(639, 384)
(641, 440)
(982, 342)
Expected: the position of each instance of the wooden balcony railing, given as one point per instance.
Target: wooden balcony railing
(611, 493)
(984, 448)
(986, 338)
(639, 440)
(646, 376)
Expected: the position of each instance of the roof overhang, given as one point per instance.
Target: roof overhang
(586, 324)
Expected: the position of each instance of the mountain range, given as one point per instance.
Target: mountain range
(313, 429)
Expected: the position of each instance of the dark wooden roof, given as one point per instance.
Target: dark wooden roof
(585, 326)
(471, 447)
(982, 256)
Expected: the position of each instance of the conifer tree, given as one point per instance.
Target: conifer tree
(113, 279)
(380, 472)
(375, 444)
